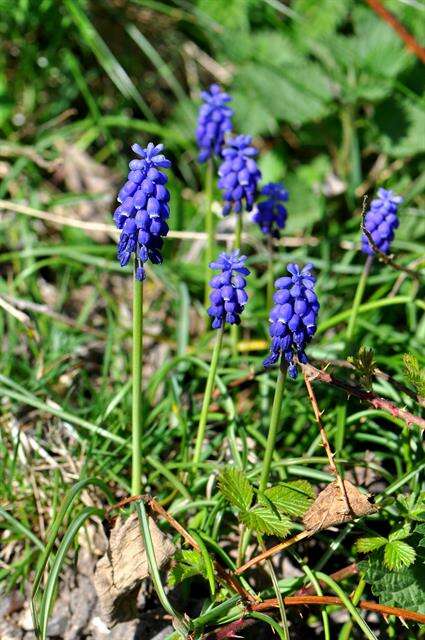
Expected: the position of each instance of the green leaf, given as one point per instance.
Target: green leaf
(236, 488)
(400, 534)
(414, 372)
(366, 545)
(265, 520)
(404, 588)
(398, 554)
(290, 498)
(189, 563)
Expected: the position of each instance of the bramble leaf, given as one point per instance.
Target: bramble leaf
(265, 520)
(414, 372)
(366, 545)
(398, 554)
(400, 588)
(290, 498)
(189, 563)
(236, 488)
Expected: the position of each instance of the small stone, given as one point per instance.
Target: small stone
(25, 620)
(9, 631)
(58, 622)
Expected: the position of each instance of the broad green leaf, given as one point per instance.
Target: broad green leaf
(189, 563)
(236, 488)
(265, 520)
(291, 498)
(398, 554)
(366, 545)
(404, 588)
(400, 534)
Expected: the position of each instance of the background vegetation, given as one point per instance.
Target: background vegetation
(334, 100)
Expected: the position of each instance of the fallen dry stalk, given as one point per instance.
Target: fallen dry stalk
(230, 630)
(368, 396)
(325, 442)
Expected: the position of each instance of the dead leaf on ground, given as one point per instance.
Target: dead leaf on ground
(329, 507)
(120, 572)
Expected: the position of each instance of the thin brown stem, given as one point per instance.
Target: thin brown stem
(345, 572)
(410, 42)
(231, 630)
(368, 396)
(273, 550)
(325, 442)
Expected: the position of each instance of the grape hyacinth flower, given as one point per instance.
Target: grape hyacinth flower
(271, 214)
(293, 318)
(214, 120)
(239, 174)
(228, 296)
(143, 208)
(381, 221)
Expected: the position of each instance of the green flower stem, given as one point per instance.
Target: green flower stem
(209, 224)
(274, 422)
(207, 397)
(137, 419)
(358, 298)
(238, 230)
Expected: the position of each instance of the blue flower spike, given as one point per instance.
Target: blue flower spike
(293, 319)
(239, 174)
(214, 121)
(228, 296)
(143, 209)
(271, 214)
(381, 221)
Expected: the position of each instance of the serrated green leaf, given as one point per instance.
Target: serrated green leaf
(189, 563)
(404, 588)
(265, 520)
(398, 554)
(400, 534)
(414, 372)
(366, 545)
(290, 498)
(236, 488)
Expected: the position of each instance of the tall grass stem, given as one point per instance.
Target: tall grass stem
(274, 423)
(137, 417)
(358, 298)
(207, 397)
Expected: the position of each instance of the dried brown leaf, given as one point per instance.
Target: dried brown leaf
(329, 508)
(120, 572)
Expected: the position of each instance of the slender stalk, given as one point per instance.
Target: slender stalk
(207, 397)
(270, 273)
(238, 230)
(274, 422)
(180, 623)
(209, 224)
(137, 419)
(275, 583)
(358, 298)
(346, 629)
